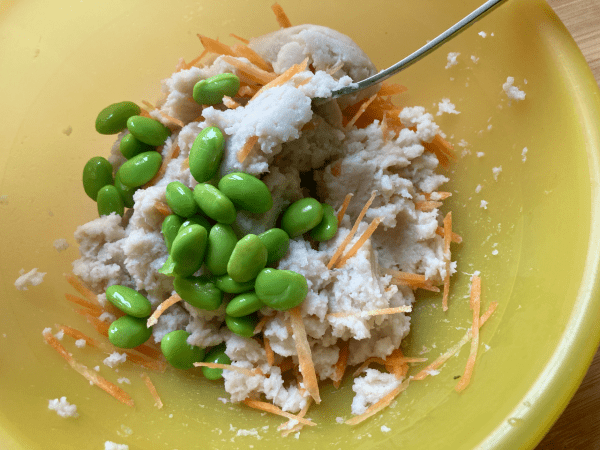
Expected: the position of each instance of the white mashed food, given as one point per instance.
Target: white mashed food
(62, 407)
(31, 278)
(301, 151)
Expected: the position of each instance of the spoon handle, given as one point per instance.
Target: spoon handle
(422, 52)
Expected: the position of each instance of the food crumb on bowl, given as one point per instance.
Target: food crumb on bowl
(475, 59)
(63, 408)
(445, 106)
(524, 154)
(109, 445)
(123, 380)
(61, 244)
(31, 278)
(385, 429)
(452, 59)
(483, 204)
(483, 34)
(80, 343)
(496, 171)
(114, 359)
(512, 91)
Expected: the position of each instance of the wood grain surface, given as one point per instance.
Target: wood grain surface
(579, 425)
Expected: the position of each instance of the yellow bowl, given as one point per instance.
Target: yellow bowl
(65, 60)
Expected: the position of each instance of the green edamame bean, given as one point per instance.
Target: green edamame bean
(170, 227)
(130, 146)
(206, 154)
(328, 225)
(128, 332)
(180, 199)
(198, 220)
(242, 326)
(228, 285)
(277, 242)
(188, 248)
(243, 304)
(212, 90)
(147, 130)
(221, 242)
(281, 289)
(178, 352)
(168, 267)
(126, 192)
(113, 118)
(97, 173)
(302, 216)
(110, 201)
(214, 204)
(129, 301)
(215, 355)
(200, 292)
(248, 258)
(246, 192)
(140, 169)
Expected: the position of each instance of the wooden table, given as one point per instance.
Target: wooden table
(579, 425)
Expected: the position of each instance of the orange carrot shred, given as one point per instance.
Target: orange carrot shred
(81, 288)
(437, 195)
(268, 407)
(341, 364)
(247, 91)
(336, 168)
(250, 71)
(447, 258)
(475, 306)
(360, 112)
(214, 46)
(307, 367)
(284, 77)
(149, 105)
(247, 148)
(160, 309)
(245, 41)
(230, 103)
(381, 404)
(252, 56)
(162, 208)
(337, 66)
(96, 379)
(150, 385)
(82, 302)
(427, 205)
(456, 238)
(284, 426)
(350, 235)
(374, 312)
(269, 352)
(280, 15)
(366, 235)
(261, 324)
(171, 119)
(196, 60)
(342, 211)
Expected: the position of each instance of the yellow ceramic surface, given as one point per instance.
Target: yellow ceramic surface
(64, 60)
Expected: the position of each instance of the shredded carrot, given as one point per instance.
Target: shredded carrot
(261, 324)
(286, 365)
(381, 404)
(149, 105)
(186, 163)
(174, 153)
(413, 280)
(336, 168)
(247, 148)
(96, 379)
(284, 77)
(269, 352)
(391, 89)
(82, 302)
(305, 81)
(247, 91)
(160, 309)
(106, 348)
(162, 208)
(245, 41)
(196, 60)
(252, 56)
(171, 119)
(427, 205)
(280, 15)
(250, 71)
(270, 408)
(350, 235)
(456, 348)
(341, 364)
(385, 129)
(366, 363)
(82, 288)
(373, 312)
(230, 103)
(456, 238)
(214, 46)
(342, 211)
(475, 306)
(247, 372)
(337, 66)
(100, 326)
(360, 112)
(366, 235)
(441, 148)
(149, 351)
(285, 426)
(447, 258)
(437, 195)
(307, 367)
(157, 401)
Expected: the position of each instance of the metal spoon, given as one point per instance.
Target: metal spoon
(417, 55)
